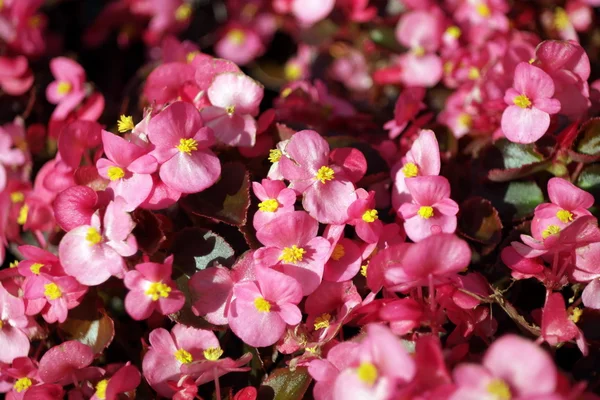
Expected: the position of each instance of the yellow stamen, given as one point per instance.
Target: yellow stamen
(13, 264)
(93, 236)
(1, 324)
(183, 12)
(322, 322)
(550, 230)
(292, 255)
(474, 73)
(183, 356)
(191, 55)
(230, 110)
(125, 123)
(262, 305)
(410, 170)
(575, 314)
(561, 19)
(236, 36)
(522, 101)
(213, 353)
(367, 372)
(22, 384)
(101, 389)
(35, 268)
(465, 120)
(531, 60)
(270, 205)
(187, 146)
(64, 87)
(274, 155)
(448, 66)
(500, 389)
(425, 212)
(157, 290)
(324, 174)
(454, 31)
(370, 216)
(286, 92)
(115, 173)
(564, 216)
(52, 291)
(338, 252)
(483, 10)
(23, 212)
(292, 71)
(418, 51)
(17, 197)
(364, 269)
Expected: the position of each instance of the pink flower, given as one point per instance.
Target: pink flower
(24, 374)
(408, 105)
(9, 157)
(262, 309)
(309, 12)
(364, 217)
(370, 369)
(293, 247)
(567, 202)
(558, 326)
(169, 352)
(92, 253)
(152, 289)
(423, 159)
(436, 259)
(67, 363)
(124, 380)
(128, 168)
(275, 199)
(167, 16)
(344, 256)
(53, 296)
(15, 76)
(68, 90)
(240, 44)
(182, 149)
(327, 189)
(75, 206)
(431, 211)
(500, 377)
(234, 99)
(13, 341)
(530, 104)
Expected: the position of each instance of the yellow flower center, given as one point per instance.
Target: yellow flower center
(561, 19)
(93, 236)
(274, 155)
(522, 101)
(418, 51)
(324, 174)
(35, 268)
(125, 123)
(322, 322)
(465, 120)
(23, 212)
(564, 216)
(101, 389)
(22, 384)
(230, 110)
(183, 12)
(236, 36)
(191, 55)
(270, 205)
(367, 372)
(64, 87)
(454, 31)
(17, 197)
(575, 314)
(157, 290)
(292, 255)
(213, 353)
(52, 291)
(500, 389)
(338, 252)
(13, 264)
(183, 356)
(187, 146)
(363, 269)
(474, 73)
(410, 170)
(370, 216)
(262, 304)
(1, 324)
(550, 230)
(425, 212)
(292, 71)
(286, 92)
(115, 173)
(483, 10)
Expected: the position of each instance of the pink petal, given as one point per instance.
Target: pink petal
(61, 361)
(591, 294)
(294, 228)
(425, 153)
(524, 125)
(238, 90)
(191, 173)
(178, 121)
(428, 190)
(568, 196)
(328, 202)
(308, 152)
(533, 81)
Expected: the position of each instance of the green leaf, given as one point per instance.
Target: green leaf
(227, 200)
(589, 179)
(517, 155)
(197, 248)
(589, 138)
(524, 196)
(285, 384)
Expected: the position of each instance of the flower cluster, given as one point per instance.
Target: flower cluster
(328, 199)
